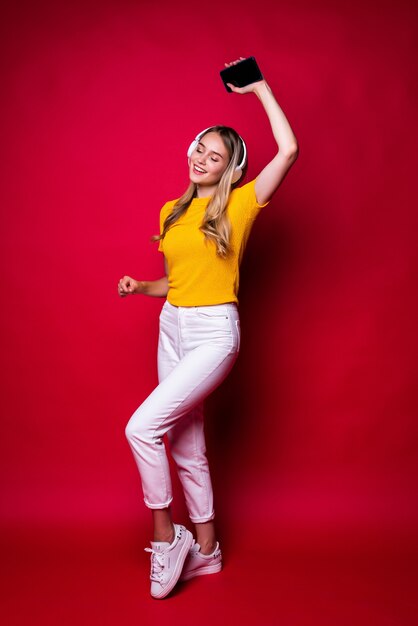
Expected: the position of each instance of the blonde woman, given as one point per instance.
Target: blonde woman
(202, 238)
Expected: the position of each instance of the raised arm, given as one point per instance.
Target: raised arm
(273, 174)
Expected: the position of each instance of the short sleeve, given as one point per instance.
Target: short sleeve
(248, 200)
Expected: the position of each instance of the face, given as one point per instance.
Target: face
(208, 162)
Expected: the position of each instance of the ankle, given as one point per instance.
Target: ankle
(166, 535)
(207, 547)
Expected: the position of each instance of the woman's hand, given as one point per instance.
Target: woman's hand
(253, 87)
(128, 286)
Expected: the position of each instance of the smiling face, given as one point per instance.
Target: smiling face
(208, 162)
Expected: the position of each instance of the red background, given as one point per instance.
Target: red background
(315, 430)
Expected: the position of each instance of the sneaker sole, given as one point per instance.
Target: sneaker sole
(179, 566)
(202, 571)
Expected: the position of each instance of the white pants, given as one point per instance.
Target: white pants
(197, 348)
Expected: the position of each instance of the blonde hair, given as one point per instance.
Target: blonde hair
(215, 224)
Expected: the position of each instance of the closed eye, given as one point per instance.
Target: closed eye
(202, 145)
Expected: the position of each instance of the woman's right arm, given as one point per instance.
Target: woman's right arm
(128, 286)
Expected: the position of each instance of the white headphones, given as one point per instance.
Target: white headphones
(238, 168)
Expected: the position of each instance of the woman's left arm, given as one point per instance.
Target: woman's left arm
(273, 174)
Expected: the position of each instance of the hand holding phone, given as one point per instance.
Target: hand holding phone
(241, 74)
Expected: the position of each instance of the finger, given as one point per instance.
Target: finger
(233, 88)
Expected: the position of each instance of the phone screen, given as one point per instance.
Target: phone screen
(243, 73)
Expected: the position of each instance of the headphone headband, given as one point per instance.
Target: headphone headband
(197, 139)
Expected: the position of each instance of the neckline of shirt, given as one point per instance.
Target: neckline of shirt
(200, 201)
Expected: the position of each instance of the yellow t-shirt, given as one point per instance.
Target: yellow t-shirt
(197, 276)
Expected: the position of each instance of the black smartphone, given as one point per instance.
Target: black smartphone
(243, 73)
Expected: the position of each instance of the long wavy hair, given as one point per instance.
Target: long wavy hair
(215, 224)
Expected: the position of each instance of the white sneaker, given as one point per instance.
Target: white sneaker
(167, 561)
(198, 564)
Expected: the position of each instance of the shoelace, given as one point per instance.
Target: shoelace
(157, 564)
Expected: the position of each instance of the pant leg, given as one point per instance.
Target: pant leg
(188, 449)
(187, 438)
(207, 344)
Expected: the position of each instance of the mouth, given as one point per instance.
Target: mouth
(198, 170)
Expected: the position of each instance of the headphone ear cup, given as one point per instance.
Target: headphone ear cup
(192, 148)
(237, 175)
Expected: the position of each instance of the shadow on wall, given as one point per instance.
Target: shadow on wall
(238, 450)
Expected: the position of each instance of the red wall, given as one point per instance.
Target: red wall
(317, 424)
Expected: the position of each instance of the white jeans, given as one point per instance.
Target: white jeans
(197, 348)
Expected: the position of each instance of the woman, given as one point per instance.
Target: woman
(203, 235)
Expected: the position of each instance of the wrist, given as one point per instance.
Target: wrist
(262, 89)
(140, 287)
